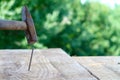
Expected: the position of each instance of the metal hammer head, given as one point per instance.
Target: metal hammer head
(30, 32)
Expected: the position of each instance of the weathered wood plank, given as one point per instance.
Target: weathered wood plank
(105, 68)
(69, 68)
(49, 64)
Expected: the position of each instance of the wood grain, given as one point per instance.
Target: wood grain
(49, 64)
(105, 68)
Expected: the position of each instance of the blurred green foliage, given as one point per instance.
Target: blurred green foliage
(80, 29)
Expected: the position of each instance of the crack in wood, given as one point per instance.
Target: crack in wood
(90, 72)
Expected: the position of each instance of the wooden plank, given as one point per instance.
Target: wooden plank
(69, 68)
(49, 64)
(105, 68)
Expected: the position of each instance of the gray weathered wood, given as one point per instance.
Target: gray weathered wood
(104, 68)
(49, 64)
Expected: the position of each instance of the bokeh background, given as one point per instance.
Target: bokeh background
(80, 27)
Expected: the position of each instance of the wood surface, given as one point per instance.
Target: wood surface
(103, 68)
(48, 64)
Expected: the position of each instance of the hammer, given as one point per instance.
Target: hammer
(26, 24)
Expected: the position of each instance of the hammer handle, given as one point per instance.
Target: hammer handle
(12, 25)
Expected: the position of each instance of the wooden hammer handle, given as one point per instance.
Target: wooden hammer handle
(12, 25)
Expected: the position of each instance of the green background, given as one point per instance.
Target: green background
(90, 29)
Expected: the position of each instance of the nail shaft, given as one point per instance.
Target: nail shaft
(30, 59)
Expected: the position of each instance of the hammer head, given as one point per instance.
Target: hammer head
(30, 32)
